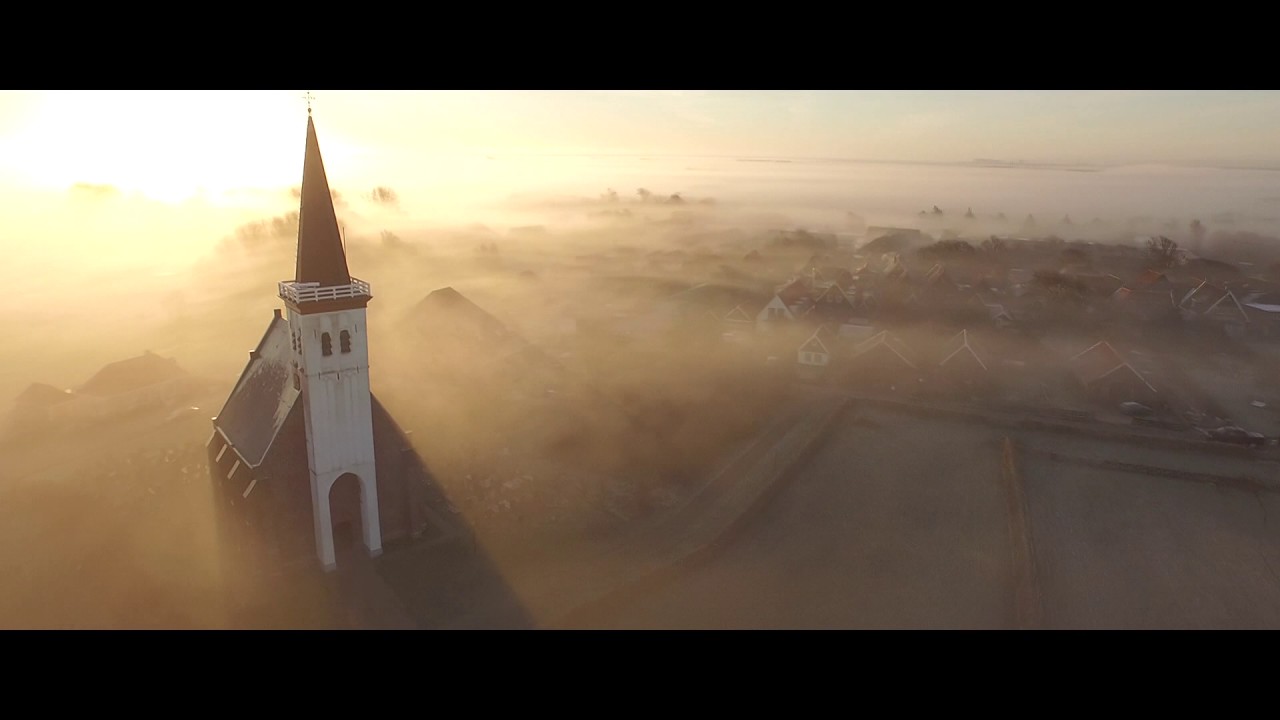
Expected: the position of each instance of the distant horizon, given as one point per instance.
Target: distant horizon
(168, 143)
(1030, 164)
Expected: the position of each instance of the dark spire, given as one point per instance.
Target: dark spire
(320, 255)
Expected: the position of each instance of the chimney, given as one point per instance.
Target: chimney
(253, 354)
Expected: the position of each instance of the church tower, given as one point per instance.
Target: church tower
(330, 362)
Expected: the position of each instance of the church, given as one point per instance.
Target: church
(306, 463)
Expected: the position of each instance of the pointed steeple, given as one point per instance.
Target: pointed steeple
(321, 258)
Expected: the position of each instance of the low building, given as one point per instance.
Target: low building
(814, 358)
(148, 380)
(961, 365)
(1106, 375)
(1229, 316)
(36, 407)
(882, 362)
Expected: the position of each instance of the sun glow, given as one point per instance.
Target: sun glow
(165, 145)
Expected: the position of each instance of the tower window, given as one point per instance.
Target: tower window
(326, 344)
(344, 340)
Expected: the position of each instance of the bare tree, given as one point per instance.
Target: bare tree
(1162, 252)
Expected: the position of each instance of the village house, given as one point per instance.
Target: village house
(882, 362)
(962, 366)
(814, 358)
(37, 406)
(1105, 375)
(1228, 316)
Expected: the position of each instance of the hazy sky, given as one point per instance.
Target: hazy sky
(170, 143)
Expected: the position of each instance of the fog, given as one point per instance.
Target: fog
(551, 392)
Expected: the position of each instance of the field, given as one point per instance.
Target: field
(871, 533)
(900, 521)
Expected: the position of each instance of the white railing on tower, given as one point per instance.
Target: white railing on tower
(297, 292)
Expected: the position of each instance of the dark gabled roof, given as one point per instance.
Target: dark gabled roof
(262, 398)
(818, 341)
(41, 395)
(718, 296)
(132, 374)
(1199, 295)
(452, 312)
(1234, 302)
(938, 277)
(833, 294)
(838, 275)
(1100, 361)
(883, 339)
(958, 346)
(321, 258)
(836, 309)
(895, 270)
(794, 291)
(1095, 361)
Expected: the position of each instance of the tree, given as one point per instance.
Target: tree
(948, 249)
(1059, 286)
(1074, 256)
(994, 245)
(644, 194)
(675, 199)
(384, 195)
(937, 210)
(969, 213)
(1162, 252)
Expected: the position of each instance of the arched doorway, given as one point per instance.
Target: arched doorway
(345, 514)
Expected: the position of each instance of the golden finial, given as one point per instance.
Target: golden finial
(308, 97)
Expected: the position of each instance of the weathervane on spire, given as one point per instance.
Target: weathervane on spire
(308, 97)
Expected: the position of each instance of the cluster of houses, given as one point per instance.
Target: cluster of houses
(855, 324)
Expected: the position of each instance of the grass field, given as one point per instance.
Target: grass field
(900, 521)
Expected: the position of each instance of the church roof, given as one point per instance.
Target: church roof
(262, 398)
(321, 258)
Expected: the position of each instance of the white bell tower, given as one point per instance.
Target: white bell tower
(326, 312)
